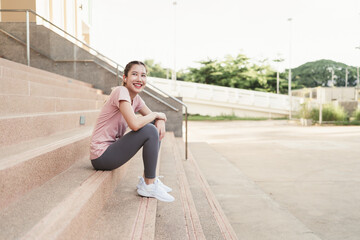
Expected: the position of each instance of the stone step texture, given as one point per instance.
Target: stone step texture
(27, 165)
(20, 71)
(126, 215)
(129, 216)
(48, 188)
(212, 218)
(14, 105)
(18, 129)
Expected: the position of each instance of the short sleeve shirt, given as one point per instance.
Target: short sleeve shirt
(110, 124)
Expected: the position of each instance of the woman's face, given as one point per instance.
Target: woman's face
(136, 79)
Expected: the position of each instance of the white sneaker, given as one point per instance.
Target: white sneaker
(154, 190)
(166, 188)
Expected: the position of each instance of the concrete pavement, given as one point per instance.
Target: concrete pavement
(277, 180)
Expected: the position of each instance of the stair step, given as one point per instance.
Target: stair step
(177, 220)
(14, 86)
(20, 128)
(64, 207)
(75, 215)
(43, 89)
(21, 86)
(26, 165)
(20, 71)
(126, 215)
(212, 219)
(19, 217)
(16, 104)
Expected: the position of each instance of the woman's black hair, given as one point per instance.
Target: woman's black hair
(130, 64)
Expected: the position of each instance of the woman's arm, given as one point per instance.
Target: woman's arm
(135, 123)
(159, 123)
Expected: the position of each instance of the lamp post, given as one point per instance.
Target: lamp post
(174, 70)
(278, 61)
(331, 70)
(357, 71)
(346, 76)
(289, 79)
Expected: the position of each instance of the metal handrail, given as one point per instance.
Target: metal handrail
(27, 11)
(186, 116)
(78, 40)
(159, 99)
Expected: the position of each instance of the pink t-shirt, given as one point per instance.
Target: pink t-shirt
(110, 124)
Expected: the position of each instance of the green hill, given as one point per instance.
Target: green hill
(318, 73)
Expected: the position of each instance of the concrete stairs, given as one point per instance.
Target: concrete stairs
(49, 190)
(52, 52)
(194, 214)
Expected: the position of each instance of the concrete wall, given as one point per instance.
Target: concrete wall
(349, 106)
(328, 94)
(217, 100)
(216, 109)
(74, 16)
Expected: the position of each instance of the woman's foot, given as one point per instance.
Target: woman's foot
(166, 188)
(154, 190)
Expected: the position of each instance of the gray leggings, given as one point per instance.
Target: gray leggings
(127, 146)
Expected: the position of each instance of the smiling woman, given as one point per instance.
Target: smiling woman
(110, 147)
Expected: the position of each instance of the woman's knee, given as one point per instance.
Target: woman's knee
(150, 130)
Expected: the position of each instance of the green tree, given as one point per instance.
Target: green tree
(155, 69)
(318, 73)
(236, 72)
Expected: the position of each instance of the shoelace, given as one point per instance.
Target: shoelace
(140, 177)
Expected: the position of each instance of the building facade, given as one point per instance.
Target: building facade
(73, 16)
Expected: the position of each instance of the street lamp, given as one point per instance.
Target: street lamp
(289, 80)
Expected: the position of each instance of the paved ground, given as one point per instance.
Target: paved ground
(312, 172)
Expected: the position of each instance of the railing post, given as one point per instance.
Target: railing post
(117, 73)
(27, 37)
(186, 133)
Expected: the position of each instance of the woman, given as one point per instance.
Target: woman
(110, 148)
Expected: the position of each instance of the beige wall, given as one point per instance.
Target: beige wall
(71, 15)
(17, 4)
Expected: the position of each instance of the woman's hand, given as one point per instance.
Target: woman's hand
(160, 125)
(161, 116)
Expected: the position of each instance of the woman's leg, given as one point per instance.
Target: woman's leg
(127, 146)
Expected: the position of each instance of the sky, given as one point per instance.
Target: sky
(181, 35)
